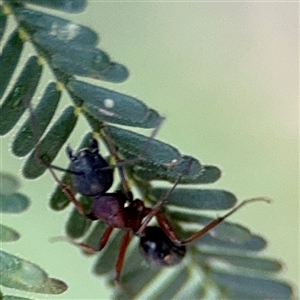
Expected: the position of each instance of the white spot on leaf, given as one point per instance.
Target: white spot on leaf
(109, 103)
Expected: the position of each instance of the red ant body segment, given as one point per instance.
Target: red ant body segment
(155, 245)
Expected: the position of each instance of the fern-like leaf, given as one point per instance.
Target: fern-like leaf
(225, 260)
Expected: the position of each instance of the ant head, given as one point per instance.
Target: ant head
(85, 152)
(92, 174)
(158, 249)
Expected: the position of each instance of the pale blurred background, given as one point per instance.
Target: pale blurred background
(226, 77)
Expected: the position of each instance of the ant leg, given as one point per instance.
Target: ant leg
(105, 237)
(65, 188)
(121, 255)
(168, 229)
(102, 243)
(156, 208)
(68, 192)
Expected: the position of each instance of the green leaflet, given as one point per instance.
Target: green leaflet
(22, 92)
(9, 58)
(14, 203)
(51, 144)
(25, 141)
(198, 198)
(23, 275)
(110, 106)
(8, 234)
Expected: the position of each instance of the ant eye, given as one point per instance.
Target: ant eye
(158, 249)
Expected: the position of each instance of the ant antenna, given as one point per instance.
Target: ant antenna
(139, 157)
(120, 164)
(217, 221)
(163, 200)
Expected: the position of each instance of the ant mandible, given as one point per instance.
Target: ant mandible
(159, 244)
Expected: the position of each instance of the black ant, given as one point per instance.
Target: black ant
(159, 244)
(93, 176)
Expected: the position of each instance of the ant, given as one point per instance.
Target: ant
(159, 244)
(93, 177)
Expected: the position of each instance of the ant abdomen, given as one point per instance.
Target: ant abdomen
(92, 174)
(158, 249)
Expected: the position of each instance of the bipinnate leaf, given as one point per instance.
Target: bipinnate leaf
(23, 275)
(226, 255)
